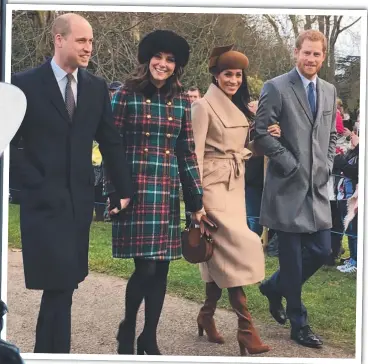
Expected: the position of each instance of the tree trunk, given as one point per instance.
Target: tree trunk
(42, 21)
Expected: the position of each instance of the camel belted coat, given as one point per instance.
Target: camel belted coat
(220, 131)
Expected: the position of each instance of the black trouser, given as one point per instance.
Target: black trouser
(148, 281)
(53, 328)
(100, 202)
(337, 227)
(300, 256)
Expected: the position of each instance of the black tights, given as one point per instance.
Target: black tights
(148, 282)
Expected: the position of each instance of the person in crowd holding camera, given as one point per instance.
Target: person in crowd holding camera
(153, 116)
(220, 126)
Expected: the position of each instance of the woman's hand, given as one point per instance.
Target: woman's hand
(347, 132)
(274, 130)
(197, 219)
(354, 140)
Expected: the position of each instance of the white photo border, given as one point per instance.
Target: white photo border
(104, 359)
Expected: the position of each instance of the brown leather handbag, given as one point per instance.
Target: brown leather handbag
(197, 248)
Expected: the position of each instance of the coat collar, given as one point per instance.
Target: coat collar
(298, 88)
(224, 108)
(52, 91)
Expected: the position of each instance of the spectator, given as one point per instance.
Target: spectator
(348, 167)
(194, 94)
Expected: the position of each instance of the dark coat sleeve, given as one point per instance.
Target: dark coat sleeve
(16, 155)
(342, 164)
(113, 151)
(188, 165)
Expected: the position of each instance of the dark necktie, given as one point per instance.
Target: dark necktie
(69, 97)
(312, 99)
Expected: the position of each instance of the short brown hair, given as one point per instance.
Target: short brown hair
(312, 35)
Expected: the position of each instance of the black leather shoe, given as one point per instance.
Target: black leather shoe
(306, 337)
(276, 308)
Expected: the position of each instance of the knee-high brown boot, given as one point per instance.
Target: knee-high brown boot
(205, 317)
(248, 337)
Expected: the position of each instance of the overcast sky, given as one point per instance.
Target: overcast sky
(348, 42)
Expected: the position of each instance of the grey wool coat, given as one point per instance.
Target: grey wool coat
(295, 197)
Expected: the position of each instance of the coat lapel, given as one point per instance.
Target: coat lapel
(224, 108)
(52, 90)
(83, 96)
(320, 97)
(298, 88)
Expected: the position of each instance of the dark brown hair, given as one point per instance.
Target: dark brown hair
(140, 79)
(241, 98)
(193, 88)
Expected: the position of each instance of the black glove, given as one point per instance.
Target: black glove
(114, 201)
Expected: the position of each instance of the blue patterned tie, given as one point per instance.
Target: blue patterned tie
(312, 99)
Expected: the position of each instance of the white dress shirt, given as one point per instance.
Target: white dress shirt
(62, 79)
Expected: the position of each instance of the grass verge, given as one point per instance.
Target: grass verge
(329, 295)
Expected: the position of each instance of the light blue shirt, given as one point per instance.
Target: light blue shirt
(306, 83)
(62, 79)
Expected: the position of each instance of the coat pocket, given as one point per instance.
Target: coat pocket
(215, 186)
(327, 112)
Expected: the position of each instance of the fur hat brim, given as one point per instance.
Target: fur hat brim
(164, 41)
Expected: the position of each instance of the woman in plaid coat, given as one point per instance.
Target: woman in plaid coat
(154, 119)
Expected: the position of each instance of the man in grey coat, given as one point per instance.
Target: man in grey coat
(295, 200)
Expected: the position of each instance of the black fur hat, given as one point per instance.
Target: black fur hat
(164, 41)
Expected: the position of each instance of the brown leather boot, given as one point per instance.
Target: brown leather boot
(248, 337)
(205, 317)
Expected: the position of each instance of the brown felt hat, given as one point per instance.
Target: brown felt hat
(223, 58)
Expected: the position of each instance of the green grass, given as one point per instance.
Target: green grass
(329, 295)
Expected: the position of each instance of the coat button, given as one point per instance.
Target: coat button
(148, 116)
(148, 134)
(167, 152)
(168, 135)
(148, 101)
(170, 118)
(146, 149)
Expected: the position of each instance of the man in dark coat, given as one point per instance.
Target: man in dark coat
(67, 109)
(295, 199)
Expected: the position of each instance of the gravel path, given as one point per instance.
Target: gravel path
(97, 310)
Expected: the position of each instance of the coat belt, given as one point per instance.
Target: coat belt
(236, 163)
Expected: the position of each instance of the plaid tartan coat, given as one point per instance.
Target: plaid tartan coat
(159, 145)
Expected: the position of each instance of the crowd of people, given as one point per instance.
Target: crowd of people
(153, 139)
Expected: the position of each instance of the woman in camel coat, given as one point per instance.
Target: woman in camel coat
(220, 127)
